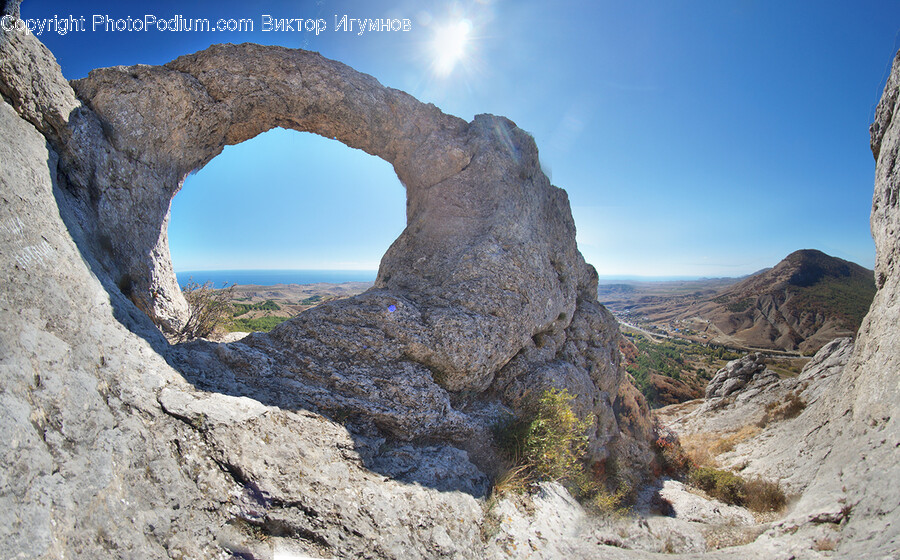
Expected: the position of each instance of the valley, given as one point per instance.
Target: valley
(791, 309)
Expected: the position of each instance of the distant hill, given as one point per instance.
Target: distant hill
(800, 304)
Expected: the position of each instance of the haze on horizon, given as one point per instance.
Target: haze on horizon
(703, 139)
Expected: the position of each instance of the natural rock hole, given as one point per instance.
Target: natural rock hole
(485, 269)
(286, 200)
(442, 348)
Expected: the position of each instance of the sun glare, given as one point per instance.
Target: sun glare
(450, 46)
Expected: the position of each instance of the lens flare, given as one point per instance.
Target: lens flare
(450, 46)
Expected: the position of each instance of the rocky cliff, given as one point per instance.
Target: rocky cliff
(361, 429)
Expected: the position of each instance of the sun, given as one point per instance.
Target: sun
(450, 46)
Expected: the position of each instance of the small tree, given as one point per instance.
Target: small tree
(210, 308)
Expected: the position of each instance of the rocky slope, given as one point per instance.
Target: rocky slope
(802, 303)
(358, 430)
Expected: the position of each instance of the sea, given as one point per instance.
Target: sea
(221, 278)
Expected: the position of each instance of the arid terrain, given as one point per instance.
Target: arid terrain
(796, 307)
(261, 308)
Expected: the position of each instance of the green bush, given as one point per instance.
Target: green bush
(724, 485)
(755, 494)
(550, 445)
(554, 442)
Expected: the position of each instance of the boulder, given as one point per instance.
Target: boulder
(737, 374)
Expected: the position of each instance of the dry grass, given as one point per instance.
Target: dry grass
(763, 496)
(729, 442)
(790, 407)
(702, 448)
(726, 536)
(755, 494)
(698, 448)
(513, 480)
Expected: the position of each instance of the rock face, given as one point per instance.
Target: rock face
(360, 429)
(487, 260)
(480, 305)
(737, 374)
(761, 402)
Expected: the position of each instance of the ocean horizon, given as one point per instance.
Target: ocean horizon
(221, 278)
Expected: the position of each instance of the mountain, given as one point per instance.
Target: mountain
(802, 303)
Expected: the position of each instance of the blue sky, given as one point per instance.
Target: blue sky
(695, 138)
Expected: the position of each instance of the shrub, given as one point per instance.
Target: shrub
(755, 494)
(791, 407)
(555, 443)
(551, 445)
(604, 502)
(210, 308)
(672, 458)
(762, 495)
(724, 485)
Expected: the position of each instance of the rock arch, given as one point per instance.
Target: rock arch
(488, 255)
(480, 304)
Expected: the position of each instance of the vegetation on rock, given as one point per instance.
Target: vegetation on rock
(755, 494)
(694, 466)
(209, 310)
(551, 445)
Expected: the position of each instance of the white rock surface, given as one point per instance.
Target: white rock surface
(109, 452)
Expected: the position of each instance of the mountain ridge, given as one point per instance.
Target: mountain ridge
(802, 303)
(799, 305)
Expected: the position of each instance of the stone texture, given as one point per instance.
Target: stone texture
(110, 451)
(767, 454)
(484, 294)
(691, 507)
(204, 448)
(488, 258)
(737, 374)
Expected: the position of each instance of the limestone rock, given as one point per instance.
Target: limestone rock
(691, 507)
(766, 454)
(354, 431)
(737, 374)
(204, 447)
(10, 7)
(487, 261)
(486, 271)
